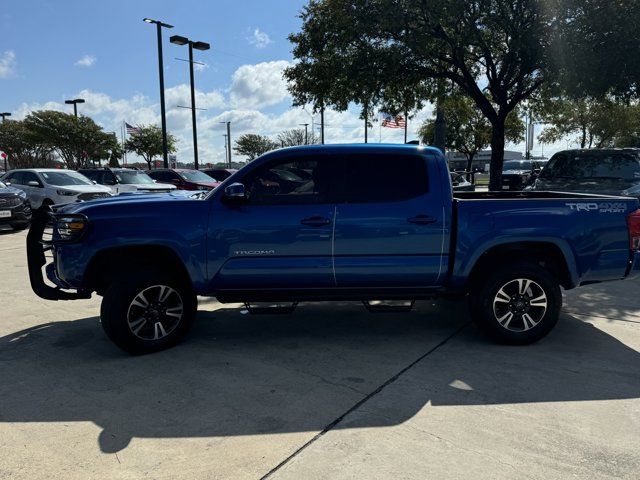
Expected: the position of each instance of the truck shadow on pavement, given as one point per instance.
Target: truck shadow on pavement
(245, 375)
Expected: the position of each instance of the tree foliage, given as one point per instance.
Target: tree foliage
(468, 130)
(78, 141)
(494, 51)
(592, 122)
(147, 143)
(296, 137)
(595, 47)
(23, 147)
(252, 145)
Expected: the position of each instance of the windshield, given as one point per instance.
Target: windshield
(132, 177)
(195, 176)
(518, 165)
(617, 166)
(61, 179)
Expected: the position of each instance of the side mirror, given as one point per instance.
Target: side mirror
(235, 191)
(33, 183)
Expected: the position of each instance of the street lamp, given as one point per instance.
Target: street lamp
(178, 40)
(4, 115)
(228, 140)
(306, 132)
(75, 103)
(163, 116)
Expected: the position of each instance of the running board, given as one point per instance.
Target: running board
(274, 309)
(388, 306)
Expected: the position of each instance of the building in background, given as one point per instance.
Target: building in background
(458, 161)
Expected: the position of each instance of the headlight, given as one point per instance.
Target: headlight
(66, 193)
(70, 228)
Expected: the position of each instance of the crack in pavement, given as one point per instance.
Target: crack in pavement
(361, 402)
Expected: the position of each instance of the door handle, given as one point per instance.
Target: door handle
(315, 221)
(422, 220)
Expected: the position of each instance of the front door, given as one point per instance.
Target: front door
(280, 238)
(390, 225)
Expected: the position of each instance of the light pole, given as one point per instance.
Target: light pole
(228, 140)
(178, 40)
(226, 160)
(163, 116)
(75, 103)
(4, 115)
(306, 132)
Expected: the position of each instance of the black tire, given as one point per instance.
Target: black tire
(121, 314)
(522, 319)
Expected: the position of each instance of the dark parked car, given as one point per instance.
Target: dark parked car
(184, 178)
(125, 180)
(15, 209)
(220, 174)
(517, 174)
(606, 172)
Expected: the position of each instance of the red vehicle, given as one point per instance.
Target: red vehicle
(184, 178)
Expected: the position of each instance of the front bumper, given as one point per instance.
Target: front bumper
(36, 248)
(20, 215)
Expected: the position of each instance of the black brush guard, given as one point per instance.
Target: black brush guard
(36, 247)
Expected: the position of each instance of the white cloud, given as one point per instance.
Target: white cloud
(259, 39)
(259, 85)
(199, 67)
(86, 61)
(7, 64)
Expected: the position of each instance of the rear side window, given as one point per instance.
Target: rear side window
(382, 178)
(594, 165)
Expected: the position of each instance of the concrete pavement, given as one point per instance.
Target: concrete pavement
(328, 392)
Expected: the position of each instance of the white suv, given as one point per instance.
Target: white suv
(49, 186)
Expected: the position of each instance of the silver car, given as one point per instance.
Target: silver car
(50, 186)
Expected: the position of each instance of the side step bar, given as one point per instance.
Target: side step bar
(388, 306)
(274, 309)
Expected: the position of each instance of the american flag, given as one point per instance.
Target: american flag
(390, 121)
(131, 130)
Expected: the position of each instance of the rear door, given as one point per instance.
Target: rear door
(389, 227)
(281, 237)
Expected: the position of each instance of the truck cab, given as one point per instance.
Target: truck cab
(333, 223)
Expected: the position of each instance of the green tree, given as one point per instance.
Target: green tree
(595, 47)
(147, 143)
(23, 148)
(296, 137)
(252, 146)
(77, 140)
(494, 51)
(468, 130)
(595, 122)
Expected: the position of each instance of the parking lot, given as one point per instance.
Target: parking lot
(328, 392)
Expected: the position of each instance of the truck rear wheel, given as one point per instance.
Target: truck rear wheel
(147, 312)
(517, 304)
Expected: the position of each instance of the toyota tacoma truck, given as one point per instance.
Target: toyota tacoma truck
(328, 223)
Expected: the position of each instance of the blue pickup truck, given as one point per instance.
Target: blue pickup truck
(340, 222)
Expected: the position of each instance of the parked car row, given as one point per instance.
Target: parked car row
(24, 189)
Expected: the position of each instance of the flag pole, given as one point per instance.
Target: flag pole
(406, 120)
(124, 152)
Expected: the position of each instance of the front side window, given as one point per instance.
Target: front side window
(279, 184)
(382, 178)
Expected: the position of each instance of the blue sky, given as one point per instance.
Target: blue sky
(105, 53)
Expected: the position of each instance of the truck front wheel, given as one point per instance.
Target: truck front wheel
(147, 312)
(517, 304)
